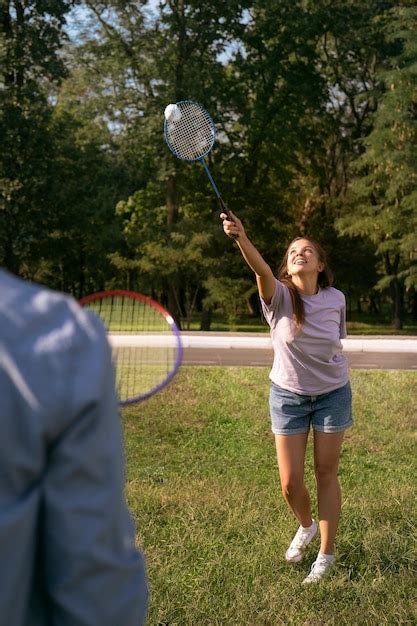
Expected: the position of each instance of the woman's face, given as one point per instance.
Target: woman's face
(302, 258)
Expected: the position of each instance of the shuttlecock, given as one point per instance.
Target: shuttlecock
(172, 113)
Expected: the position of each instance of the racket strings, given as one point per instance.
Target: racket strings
(126, 378)
(192, 136)
(143, 345)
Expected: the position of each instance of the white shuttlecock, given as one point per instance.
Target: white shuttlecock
(172, 113)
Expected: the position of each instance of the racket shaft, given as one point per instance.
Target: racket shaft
(216, 190)
(211, 179)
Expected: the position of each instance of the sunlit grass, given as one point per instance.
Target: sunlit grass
(353, 327)
(203, 486)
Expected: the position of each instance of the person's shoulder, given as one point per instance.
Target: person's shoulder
(29, 307)
(282, 291)
(17, 291)
(281, 285)
(334, 294)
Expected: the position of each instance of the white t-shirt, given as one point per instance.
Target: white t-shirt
(309, 361)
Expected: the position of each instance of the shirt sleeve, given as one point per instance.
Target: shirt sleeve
(269, 310)
(93, 574)
(343, 331)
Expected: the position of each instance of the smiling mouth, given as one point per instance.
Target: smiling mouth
(299, 262)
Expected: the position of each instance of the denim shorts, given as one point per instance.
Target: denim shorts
(293, 413)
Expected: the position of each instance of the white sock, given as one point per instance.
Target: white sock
(308, 527)
(328, 557)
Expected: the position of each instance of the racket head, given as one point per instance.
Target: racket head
(191, 137)
(145, 340)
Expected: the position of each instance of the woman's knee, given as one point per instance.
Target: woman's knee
(291, 486)
(325, 473)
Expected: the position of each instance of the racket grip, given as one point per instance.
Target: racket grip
(229, 215)
(225, 210)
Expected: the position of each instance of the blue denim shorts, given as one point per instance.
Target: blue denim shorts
(293, 413)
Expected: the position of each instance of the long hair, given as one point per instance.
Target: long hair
(324, 279)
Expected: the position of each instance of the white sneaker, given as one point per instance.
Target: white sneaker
(301, 540)
(319, 569)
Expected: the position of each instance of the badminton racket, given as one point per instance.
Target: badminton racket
(145, 340)
(190, 133)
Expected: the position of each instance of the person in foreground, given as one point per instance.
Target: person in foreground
(67, 541)
(309, 383)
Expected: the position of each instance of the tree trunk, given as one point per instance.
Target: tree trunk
(373, 307)
(413, 299)
(174, 303)
(171, 200)
(396, 290)
(206, 316)
(397, 295)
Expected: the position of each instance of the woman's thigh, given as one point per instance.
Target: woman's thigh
(291, 451)
(327, 449)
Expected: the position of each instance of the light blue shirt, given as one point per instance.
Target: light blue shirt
(67, 551)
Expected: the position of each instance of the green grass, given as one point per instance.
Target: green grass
(203, 487)
(120, 318)
(121, 314)
(364, 325)
(378, 328)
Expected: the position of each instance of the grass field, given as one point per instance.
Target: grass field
(120, 318)
(353, 328)
(203, 487)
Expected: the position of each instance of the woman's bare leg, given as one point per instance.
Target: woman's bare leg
(291, 451)
(327, 448)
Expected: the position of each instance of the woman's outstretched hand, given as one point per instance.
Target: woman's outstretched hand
(232, 225)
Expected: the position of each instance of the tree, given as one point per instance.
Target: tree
(292, 87)
(384, 191)
(229, 295)
(87, 184)
(31, 41)
(143, 61)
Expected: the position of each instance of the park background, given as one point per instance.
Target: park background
(316, 107)
(315, 103)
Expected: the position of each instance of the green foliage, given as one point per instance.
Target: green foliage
(86, 229)
(299, 90)
(387, 166)
(229, 296)
(31, 41)
(383, 197)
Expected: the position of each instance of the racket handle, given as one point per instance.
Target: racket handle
(217, 192)
(225, 209)
(229, 215)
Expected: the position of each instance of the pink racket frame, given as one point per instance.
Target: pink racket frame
(100, 295)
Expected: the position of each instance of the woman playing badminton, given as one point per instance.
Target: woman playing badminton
(309, 383)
